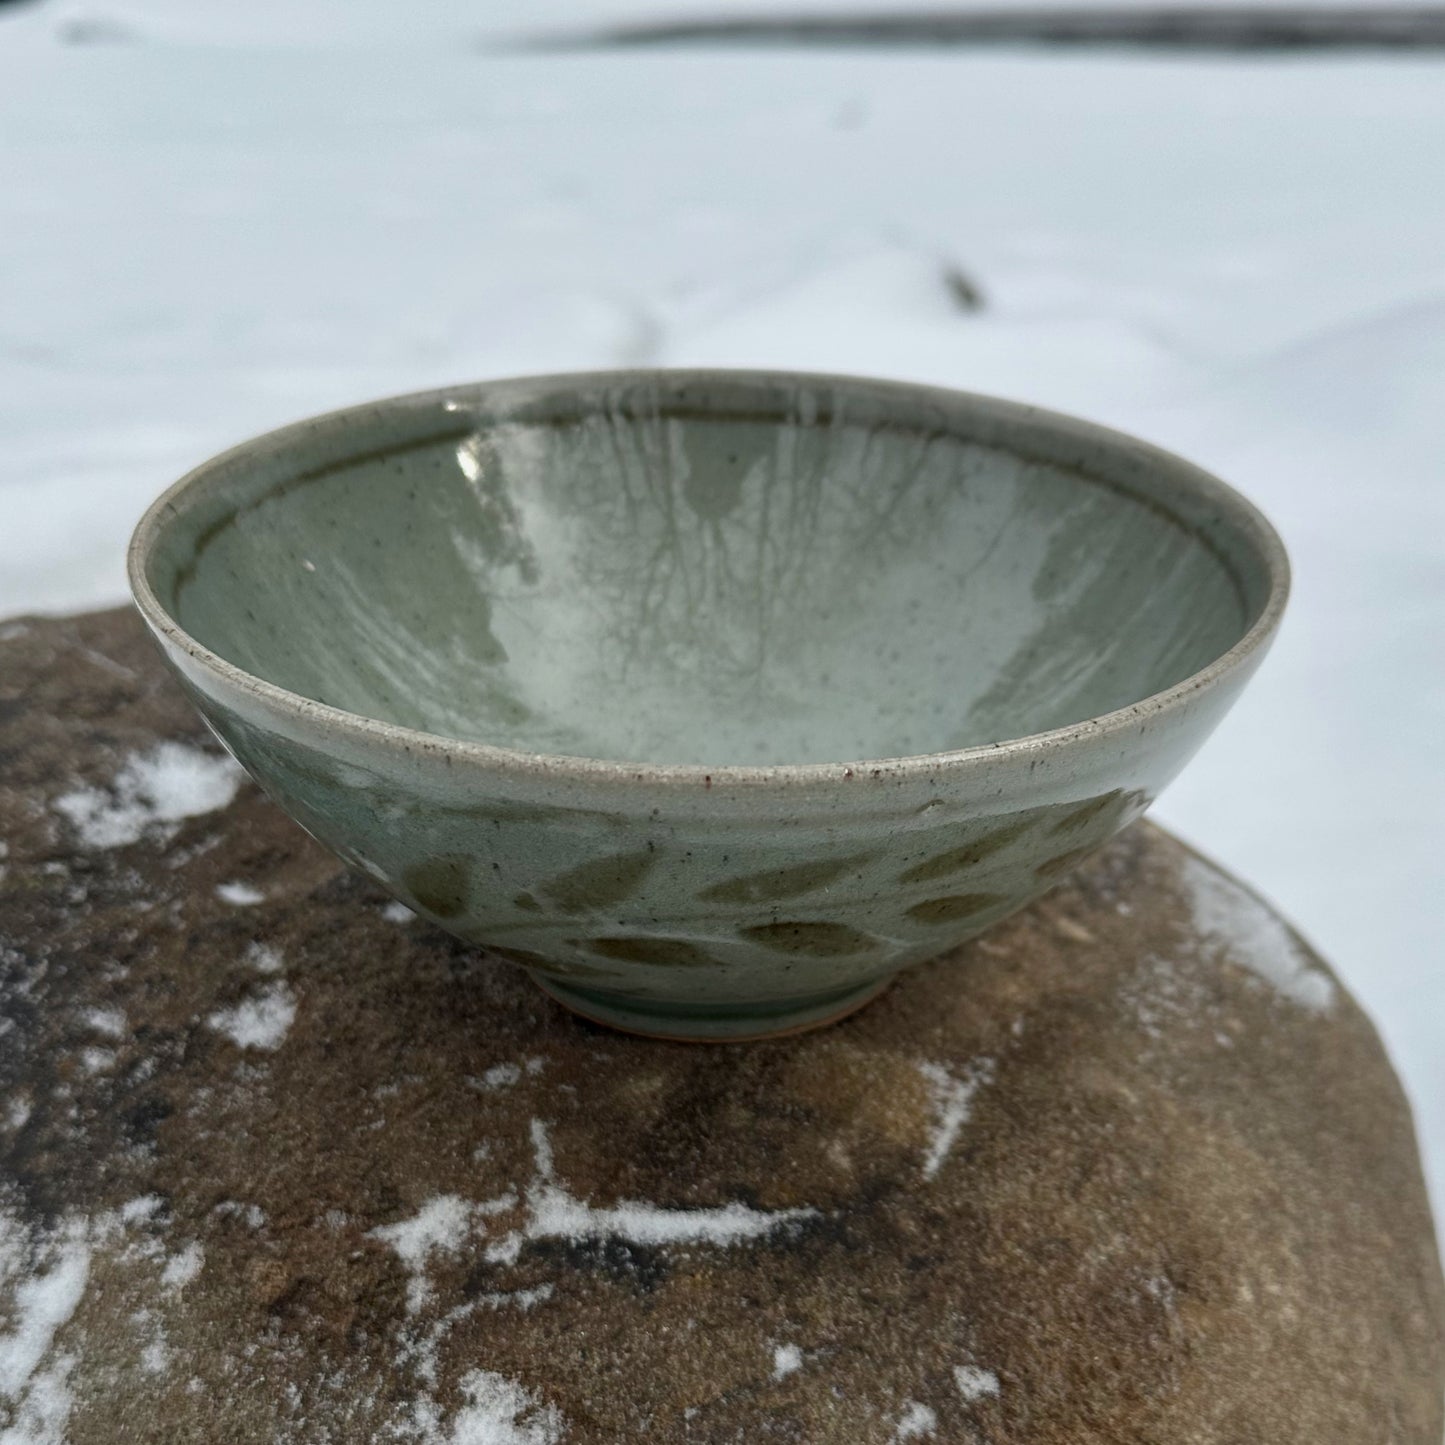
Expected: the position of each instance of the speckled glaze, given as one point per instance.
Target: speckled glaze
(711, 698)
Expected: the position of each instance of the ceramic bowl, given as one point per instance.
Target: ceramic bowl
(713, 699)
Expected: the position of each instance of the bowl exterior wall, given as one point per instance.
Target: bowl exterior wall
(676, 896)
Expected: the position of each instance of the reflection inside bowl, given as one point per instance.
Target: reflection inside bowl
(639, 583)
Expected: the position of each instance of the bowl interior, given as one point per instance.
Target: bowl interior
(710, 571)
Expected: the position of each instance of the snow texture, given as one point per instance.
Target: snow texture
(151, 794)
(136, 1211)
(43, 1412)
(441, 1226)
(41, 1282)
(444, 1226)
(1234, 258)
(1254, 936)
(252, 1215)
(182, 1268)
(259, 1022)
(787, 1360)
(556, 1214)
(155, 1357)
(239, 895)
(952, 1105)
(498, 1411)
(975, 1384)
(42, 1302)
(346, 25)
(264, 957)
(107, 1021)
(916, 1423)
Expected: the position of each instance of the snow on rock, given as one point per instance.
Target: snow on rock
(43, 1413)
(251, 1215)
(42, 1279)
(444, 1224)
(520, 1299)
(556, 1214)
(264, 957)
(44, 1273)
(952, 1105)
(107, 1021)
(260, 1022)
(239, 895)
(155, 1357)
(975, 1384)
(150, 795)
(42, 1299)
(499, 1411)
(1254, 937)
(495, 1411)
(441, 1226)
(787, 1360)
(182, 1268)
(916, 1423)
(141, 1208)
(506, 1250)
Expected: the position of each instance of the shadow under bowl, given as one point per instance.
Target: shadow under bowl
(713, 698)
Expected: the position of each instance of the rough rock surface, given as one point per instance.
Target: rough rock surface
(280, 1164)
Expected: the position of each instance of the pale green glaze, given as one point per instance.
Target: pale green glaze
(589, 669)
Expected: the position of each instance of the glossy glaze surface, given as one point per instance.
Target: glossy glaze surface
(588, 669)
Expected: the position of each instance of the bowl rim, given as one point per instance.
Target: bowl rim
(520, 762)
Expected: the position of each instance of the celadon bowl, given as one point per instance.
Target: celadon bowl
(712, 699)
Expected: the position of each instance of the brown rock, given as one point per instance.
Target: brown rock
(1132, 1168)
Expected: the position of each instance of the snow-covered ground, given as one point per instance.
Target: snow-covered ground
(429, 23)
(209, 227)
